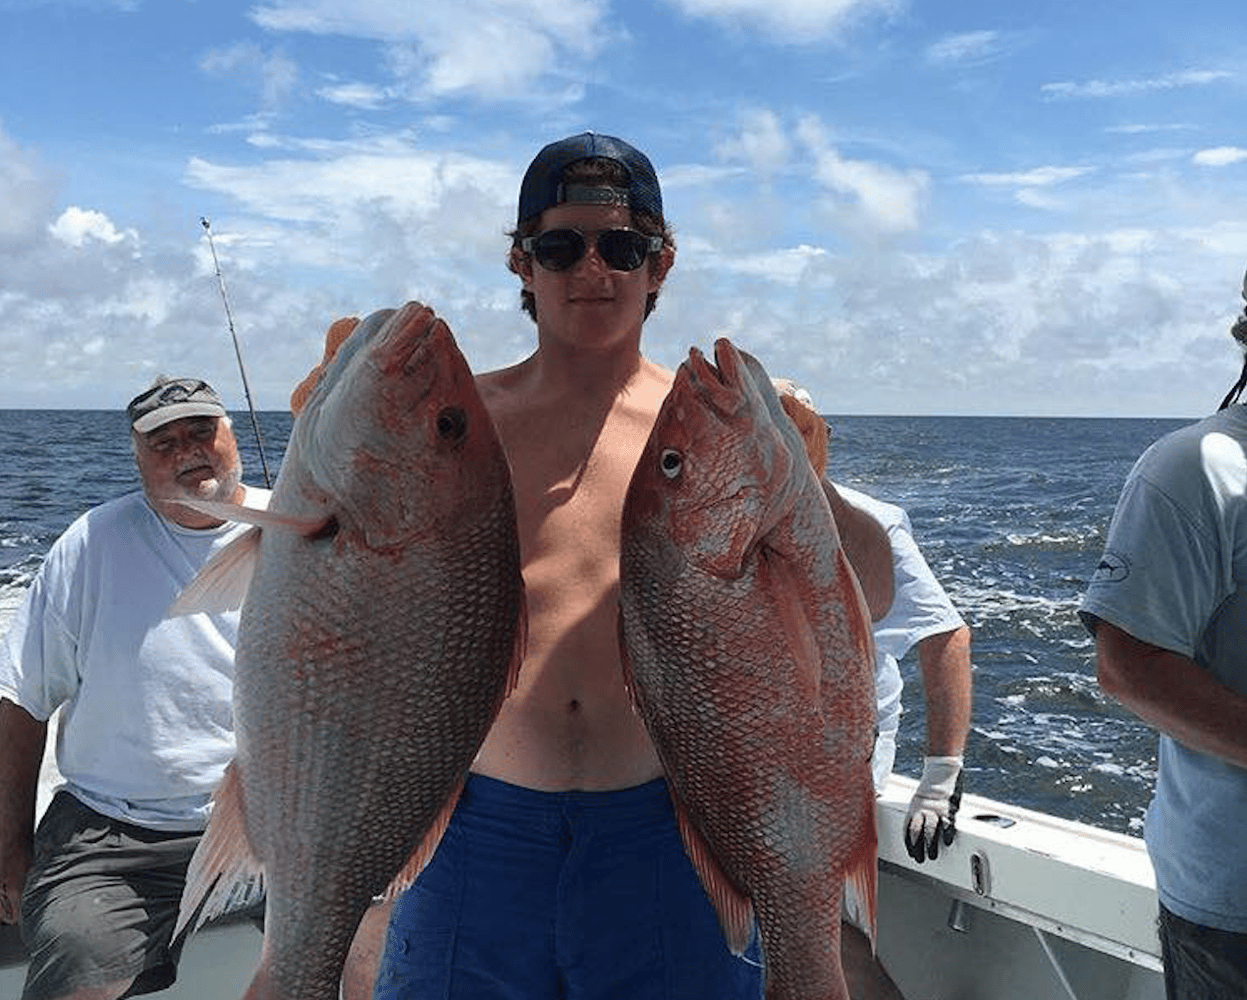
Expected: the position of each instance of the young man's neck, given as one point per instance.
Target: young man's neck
(572, 370)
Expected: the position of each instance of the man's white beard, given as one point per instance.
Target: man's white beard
(214, 488)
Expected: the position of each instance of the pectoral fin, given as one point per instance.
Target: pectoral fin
(224, 874)
(222, 583)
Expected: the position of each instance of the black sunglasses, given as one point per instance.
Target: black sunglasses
(173, 391)
(620, 249)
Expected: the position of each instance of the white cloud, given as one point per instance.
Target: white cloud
(364, 96)
(77, 225)
(333, 181)
(1037, 177)
(1143, 128)
(783, 267)
(790, 20)
(25, 193)
(1220, 156)
(890, 200)
(478, 48)
(967, 47)
(762, 145)
(1121, 88)
(275, 73)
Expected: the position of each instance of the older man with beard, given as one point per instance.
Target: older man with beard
(146, 725)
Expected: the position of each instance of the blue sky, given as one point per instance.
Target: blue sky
(910, 207)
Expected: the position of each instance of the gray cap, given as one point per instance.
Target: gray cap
(172, 399)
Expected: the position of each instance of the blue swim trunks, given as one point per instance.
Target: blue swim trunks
(581, 895)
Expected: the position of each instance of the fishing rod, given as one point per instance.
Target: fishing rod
(229, 318)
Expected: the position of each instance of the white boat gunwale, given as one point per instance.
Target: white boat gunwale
(1021, 904)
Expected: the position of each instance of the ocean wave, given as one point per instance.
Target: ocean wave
(1074, 537)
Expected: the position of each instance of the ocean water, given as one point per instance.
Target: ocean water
(1010, 513)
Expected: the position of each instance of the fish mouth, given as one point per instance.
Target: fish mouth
(720, 384)
(414, 330)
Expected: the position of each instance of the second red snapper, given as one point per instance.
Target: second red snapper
(382, 627)
(748, 648)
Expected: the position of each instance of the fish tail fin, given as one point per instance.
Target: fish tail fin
(224, 873)
(424, 850)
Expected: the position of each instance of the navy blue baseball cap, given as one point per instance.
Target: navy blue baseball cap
(543, 186)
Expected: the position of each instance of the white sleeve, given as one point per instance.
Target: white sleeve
(39, 654)
(920, 606)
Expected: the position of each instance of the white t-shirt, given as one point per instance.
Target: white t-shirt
(920, 608)
(146, 727)
(1173, 575)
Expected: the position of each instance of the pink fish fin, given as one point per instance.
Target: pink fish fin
(224, 873)
(223, 582)
(861, 872)
(301, 524)
(423, 853)
(775, 573)
(734, 908)
(262, 986)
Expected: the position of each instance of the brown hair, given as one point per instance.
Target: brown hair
(601, 171)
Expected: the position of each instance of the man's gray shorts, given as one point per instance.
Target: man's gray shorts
(101, 901)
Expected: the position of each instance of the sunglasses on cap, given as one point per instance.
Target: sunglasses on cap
(173, 391)
(620, 249)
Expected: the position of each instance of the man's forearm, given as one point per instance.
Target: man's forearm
(1172, 693)
(23, 738)
(944, 660)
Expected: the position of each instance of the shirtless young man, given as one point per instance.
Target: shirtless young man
(562, 872)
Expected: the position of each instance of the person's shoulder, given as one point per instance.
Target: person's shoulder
(1189, 453)
(887, 514)
(504, 388)
(118, 510)
(650, 386)
(96, 527)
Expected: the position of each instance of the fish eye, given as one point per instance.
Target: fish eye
(452, 423)
(671, 462)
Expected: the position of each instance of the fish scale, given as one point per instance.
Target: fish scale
(383, 626)
(748, 652)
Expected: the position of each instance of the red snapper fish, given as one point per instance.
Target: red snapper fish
(383, 625)
(748, 650)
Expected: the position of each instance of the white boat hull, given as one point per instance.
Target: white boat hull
(1022, 906)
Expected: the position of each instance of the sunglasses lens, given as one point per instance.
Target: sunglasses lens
(622, 249)
(558, 249)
